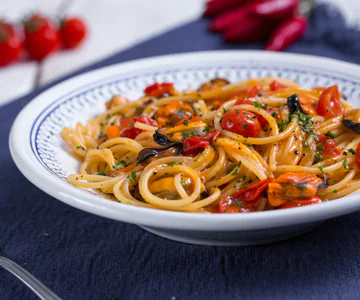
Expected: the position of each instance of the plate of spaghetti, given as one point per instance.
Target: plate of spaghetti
(216, 148)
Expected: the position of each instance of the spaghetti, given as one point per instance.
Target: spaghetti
(260, 144)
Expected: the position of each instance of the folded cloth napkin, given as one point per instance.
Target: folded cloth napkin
(81, 256)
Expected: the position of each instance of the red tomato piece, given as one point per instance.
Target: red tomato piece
(298, 203)
(41, 37)
(10, 44)
(244, 200)
(327, 145)
(329, 105)
(195, 144)
(357, 154)
(241, 122)
(128, 129)
(261, 119)
(275, 85)
(159, 89)
(73, 32)
(145, 120)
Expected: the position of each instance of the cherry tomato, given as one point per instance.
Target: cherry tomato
(41, 37)
(241, 122)
(195, 144)
(329, 105)
(73, 32)
(275, 85)
(10, 44)
(261, 119)
(327, 145)
(357, 154)
(159, 89)
(298, 203)
(244, 200)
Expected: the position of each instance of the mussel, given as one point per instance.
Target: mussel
(352, 120)
(212, 85)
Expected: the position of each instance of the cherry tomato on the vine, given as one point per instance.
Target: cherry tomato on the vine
(41, 37)
(10, 44)
(73, 31)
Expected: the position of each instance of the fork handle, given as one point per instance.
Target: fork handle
(34, 284)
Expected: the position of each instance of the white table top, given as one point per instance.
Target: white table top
(113, 25)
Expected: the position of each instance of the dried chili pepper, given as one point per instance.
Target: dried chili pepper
(287, 33)
(275, 9)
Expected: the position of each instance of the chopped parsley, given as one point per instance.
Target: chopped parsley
(101, 135)
(259, 105)
(321, 170)
(78, 147)
(224, 110)
(305, 144)
(120, 165)
(132, 176)
(318, 157)
(345, 165)
(351, 150)
(183, 183)
(320, 146)
(175, 163)
(244, 126)
(335, 191)
(186, 122)
(330, 135)
(275, 114)
(188, 134)
(101, 173)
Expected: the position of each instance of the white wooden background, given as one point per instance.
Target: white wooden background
(114, 25)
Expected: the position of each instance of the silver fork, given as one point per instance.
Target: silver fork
(35, 285)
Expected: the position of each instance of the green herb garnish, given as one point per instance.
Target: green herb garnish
(101, 173)
(101, 135)
(330, 135)
(345, 165)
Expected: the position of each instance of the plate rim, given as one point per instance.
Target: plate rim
(83, 200)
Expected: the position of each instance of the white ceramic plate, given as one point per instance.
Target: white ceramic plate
(39, 152)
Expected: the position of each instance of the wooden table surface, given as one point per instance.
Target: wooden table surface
(113, 25)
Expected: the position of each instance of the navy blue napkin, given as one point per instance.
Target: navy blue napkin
(81, 256)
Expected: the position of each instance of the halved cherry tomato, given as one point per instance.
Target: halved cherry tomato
(357, 155)
(244, 200)
(329, 105)
(275, 85)
(327, 145)
(189, 119)
(298, 203)
(145, 120)
(159, 89)
(195, 144)
(241, 122)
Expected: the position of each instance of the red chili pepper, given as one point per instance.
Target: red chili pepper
(287, 33)
(159, 89)
(194, 144)
(214, 7)
(275, 9)
(245, 200)
(232, 18)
